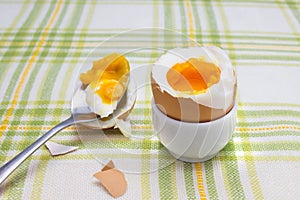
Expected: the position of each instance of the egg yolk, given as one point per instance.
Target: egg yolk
(193, 76)
(110, 90)
(108, 77)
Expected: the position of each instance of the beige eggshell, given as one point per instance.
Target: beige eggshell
(113, 181)
(185, 109)
(109, 165)
(59, 149)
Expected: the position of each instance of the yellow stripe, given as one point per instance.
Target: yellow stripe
(38, 128)
(93, 45)
(27, 70)
(143, 127)
(250, 163)
(191, 22)
(281, 127)
(199, 175)
(201, 188)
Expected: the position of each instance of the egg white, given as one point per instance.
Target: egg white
(219, 95)
(97, 105)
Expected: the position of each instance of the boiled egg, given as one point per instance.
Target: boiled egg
(195, 84)
(106, 83)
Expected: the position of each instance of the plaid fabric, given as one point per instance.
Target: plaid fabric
(45, 43)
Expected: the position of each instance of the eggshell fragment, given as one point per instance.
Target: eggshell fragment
(109, 165)
(59, 149)
(113, 180)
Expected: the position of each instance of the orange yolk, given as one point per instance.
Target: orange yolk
(110, 90)
(193, 76)
(110, 75)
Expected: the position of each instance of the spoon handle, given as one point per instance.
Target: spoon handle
(11, 165)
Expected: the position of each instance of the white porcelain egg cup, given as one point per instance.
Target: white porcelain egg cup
(193, 142)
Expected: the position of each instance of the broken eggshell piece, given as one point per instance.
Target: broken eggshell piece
(112, 179)
(59, 149)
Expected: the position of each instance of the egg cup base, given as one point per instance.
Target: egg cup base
(192, 160)
(193, 142)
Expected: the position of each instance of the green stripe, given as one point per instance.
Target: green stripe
(282, 133)
(167, 174)
(212, 23)
(239, 56)
(78, 49)
(41, 171)
(286, 158)
(76, 55)
(167, 182)
(184, 27)
(38, 66)
(289, 21)
(294, 7)
(268, 57)
(15, 183)
(145, 177)
(189, 180)
(249, 147)
(169, 15)
(255, 2)
(30, 20)
(272, 37)
(36, 122)
(250, 162)
(231, 174)
(270, 123)
(111, 31)
(9, 91)
(28, 134)
(198, 29)
(283, 145)
(9, 33)
(263, 104)
(84, 2)
(228, 37)
(240, 61)
(21, 145)
(47, 84)
(268, 64)
(210, 179)
(269, 113)
(38, 112)
(230, 171)
(23, 103)
(52, 73)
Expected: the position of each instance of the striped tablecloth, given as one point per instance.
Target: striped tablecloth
(43, 45)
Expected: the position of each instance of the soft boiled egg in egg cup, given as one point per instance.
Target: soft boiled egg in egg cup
(194, 101)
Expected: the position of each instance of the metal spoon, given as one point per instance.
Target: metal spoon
(80, 113)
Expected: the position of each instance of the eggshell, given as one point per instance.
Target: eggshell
(109, 165)
(113, 181)
(59, 149)
(185, 109)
